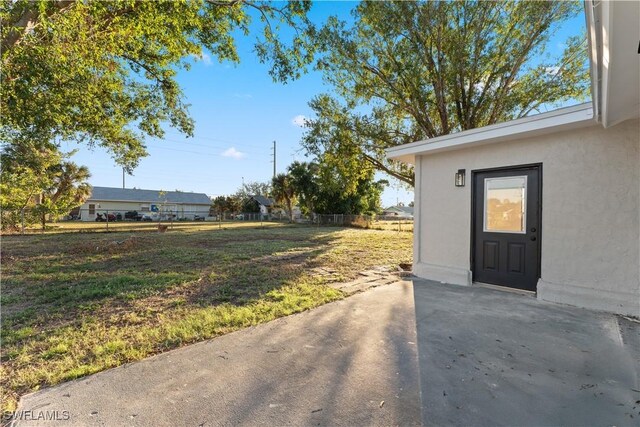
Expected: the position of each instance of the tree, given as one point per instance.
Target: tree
(409, 71)
(68, 189)
(322, 187)
(222, 204)
(104, 72)
(283, 192)
(37, 180)
(250, 205)
(256, 188)
(23, 176)
(303, 177)
(234, 204)
(345, 194)
(219, 205)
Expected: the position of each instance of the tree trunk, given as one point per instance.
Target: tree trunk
(290, 209)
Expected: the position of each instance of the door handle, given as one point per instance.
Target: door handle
(533, 238)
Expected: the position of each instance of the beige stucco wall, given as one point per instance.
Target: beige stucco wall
(590, 219)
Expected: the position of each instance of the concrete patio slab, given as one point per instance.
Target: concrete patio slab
(352, 362)
(492, 358)
(463, 356)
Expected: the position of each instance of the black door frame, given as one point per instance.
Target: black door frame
(472, 256)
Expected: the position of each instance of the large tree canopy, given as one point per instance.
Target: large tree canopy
(321, 188)
(408, 71)
(104, 72)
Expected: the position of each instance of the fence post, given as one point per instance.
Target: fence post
(107, 220)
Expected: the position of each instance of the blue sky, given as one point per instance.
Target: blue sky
(239, 111)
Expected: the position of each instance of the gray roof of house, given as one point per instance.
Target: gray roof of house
(136, 195)
(264, 201)
(406, 209)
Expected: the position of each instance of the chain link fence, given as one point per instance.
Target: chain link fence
(87, 220)
(374, 222)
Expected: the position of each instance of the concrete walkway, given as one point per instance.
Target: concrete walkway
(334, 365)
(486, 357)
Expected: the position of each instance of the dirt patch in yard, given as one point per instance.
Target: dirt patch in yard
(125, 245)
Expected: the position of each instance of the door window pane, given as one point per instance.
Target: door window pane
(505, 204)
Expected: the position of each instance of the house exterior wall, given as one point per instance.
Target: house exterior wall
(590, 234)
(396, 212)
(181, 210)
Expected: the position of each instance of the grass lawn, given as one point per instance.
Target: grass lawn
(403, 225)
(75, 303)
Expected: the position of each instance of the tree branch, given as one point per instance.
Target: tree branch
(28, 21)
(409, 179)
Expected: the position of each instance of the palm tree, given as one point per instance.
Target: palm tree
(283, 192)
(71, 185)
(68, 190)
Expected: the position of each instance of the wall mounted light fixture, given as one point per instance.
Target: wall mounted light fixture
(460, 177)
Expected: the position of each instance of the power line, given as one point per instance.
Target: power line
(196, 152)
(220, 147)
(221, 140)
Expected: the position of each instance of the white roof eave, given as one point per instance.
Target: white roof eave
(562, 119)
(617, 25)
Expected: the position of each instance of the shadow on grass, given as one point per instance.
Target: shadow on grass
(200, 268)
(78, 303)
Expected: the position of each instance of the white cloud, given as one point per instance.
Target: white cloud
(203, 57)
(299, 120)
(552, 70)
(232, 152)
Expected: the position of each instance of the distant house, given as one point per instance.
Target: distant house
(399, 211)
(152, 202)
(265, 204)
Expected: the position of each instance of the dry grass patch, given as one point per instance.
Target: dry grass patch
(78, 303)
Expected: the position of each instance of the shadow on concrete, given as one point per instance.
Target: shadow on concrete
(352, 362)
(490, 358)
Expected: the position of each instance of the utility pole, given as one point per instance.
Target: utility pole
(274, 159)
(122, 178)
